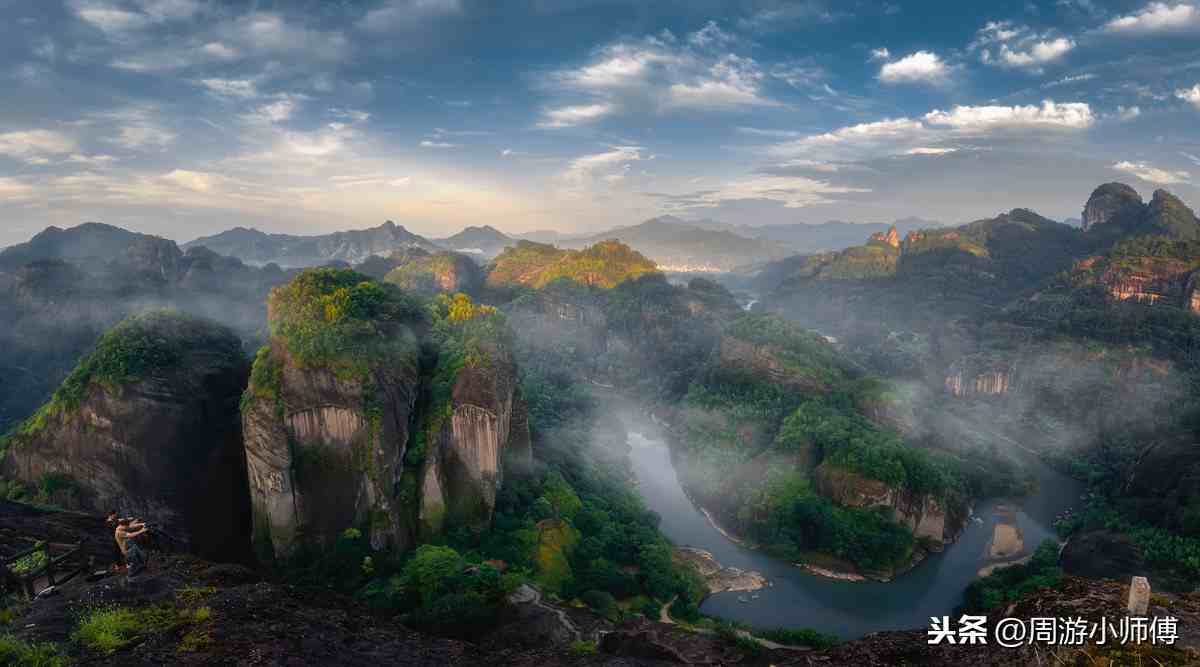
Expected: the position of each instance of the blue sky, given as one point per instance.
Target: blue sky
(185, 117)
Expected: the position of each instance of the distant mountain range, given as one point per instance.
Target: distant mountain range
(256, 247)
(674, 243)
(481, 242)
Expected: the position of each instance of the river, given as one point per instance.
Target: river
(847, 609)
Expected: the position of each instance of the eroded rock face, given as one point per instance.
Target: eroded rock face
(164, 446)
(1112, 202)
(487, 421)
(890, 237)
(988, 383)
(763, 360)
(325, 453)
(924, 515)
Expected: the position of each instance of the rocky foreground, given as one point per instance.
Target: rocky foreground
(251, 620)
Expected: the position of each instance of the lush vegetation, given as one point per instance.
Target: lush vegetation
(344, 321)
(1008, 584)
(433, 273)
(18, 653)
(153, 342)
(803, 354)
(106, 630)
(605, 264)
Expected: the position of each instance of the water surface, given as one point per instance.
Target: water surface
(847, 609)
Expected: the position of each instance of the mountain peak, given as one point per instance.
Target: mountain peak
(1112, 202)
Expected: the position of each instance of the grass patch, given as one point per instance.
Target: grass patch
(580, 648)
(110, 629)
(18, 653)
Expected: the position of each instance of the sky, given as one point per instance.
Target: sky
(185, 117)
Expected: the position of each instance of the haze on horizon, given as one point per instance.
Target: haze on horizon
(185, 117)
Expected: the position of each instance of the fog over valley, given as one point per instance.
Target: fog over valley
(497, 333)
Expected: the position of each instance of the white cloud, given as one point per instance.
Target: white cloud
(108, 17)
(219, 51)
(883, 129)
(438, 144)
(277, 111)
(197, 181)
(571, 116)
(733, 83)
(934, 130)
(1152, 174)
(711, 35)
(1128, 113)
(1194, 159)
(396, 14)
(1067, 80)
(1191, 95)
(880, 54)
(12, 188)
(919, 67)
(929, 150)
(143, 136)
(35, 144)
(584, 170)
(90, 160)
(657, 75)
(791, 191)
(1038, 53)
(1157, 17)
(243, 88)
(1075, 115)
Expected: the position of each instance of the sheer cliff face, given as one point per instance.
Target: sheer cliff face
(325, 452)
(373, 410)
(164, 446)
(486, 422)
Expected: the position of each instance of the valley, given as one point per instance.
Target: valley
(554, 433)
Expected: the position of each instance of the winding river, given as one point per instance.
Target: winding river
(846, 609)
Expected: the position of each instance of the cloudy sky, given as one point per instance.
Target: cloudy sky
(185, 117)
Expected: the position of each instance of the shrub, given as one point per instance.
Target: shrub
(600, 602)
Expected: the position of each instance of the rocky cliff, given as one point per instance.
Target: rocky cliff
(148, 424)
(485, 421)
(923, 514)
(327, 413)
(371, 410)
(1116, 207)
(890, 237)
(1111, 203)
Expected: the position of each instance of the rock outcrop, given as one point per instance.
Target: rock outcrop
(485, 420)
(148, 424)
(890, 237)
(346, 428)
(1112, 203)
(327, 414)
(994, 382)
(416, 270)
(922, 514)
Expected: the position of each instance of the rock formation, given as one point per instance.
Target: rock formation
(922, 514)
(419, 271)
(327, 412)
(148, 424)
(485, 419)
(890, 237)
(1111, 203)
(345, 428)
